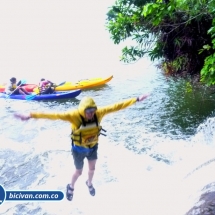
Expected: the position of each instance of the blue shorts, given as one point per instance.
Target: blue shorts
(78, 156)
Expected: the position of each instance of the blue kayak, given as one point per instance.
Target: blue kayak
(53, 96)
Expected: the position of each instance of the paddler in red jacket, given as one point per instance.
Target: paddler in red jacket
(46, 86)
(86, 128)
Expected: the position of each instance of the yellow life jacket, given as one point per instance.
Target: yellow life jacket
(88, 133)
(12, 87)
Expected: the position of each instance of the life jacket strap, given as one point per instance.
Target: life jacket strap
(103, 133)
(84, 123)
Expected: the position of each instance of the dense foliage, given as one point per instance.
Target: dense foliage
(179, 32)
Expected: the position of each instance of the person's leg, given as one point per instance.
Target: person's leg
(52, 89)
(23, 91)
(91, 164)
(70, 189)
(16, 92)
(75, 176)
(46, 91)
(79, 163)
(92, 158)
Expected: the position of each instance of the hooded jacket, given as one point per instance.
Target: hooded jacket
(74, 116)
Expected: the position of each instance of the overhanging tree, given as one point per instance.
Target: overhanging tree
(179, 32)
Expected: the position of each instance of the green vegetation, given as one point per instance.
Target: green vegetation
(181, 33)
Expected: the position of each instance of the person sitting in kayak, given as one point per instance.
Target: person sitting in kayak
(16, 88)
(46, 86)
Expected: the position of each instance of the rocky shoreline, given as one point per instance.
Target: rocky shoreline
(206, 202)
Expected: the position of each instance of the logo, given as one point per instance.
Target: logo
(90, 139)
(2, 195)
(33, 195)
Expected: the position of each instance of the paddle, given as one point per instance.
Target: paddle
(30, 97)
(21, 83)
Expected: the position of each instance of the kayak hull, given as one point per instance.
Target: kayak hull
(83, 84)
(2, 89)
(53, 96)
(68, 86)
(27, 87)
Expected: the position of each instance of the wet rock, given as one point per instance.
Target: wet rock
(26, 208)
(21, 208)
(8, 173)
(205, 206)
(212, 203)
(206, 209)
(36, 211)
(17, 171)
(2, 162)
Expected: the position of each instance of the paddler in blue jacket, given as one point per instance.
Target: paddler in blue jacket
(86, 128)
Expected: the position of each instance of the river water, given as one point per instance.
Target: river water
(157, 156)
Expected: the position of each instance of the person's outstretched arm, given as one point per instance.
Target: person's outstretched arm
(121, 105)
(66, 116)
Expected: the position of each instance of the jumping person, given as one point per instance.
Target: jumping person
(85, 122)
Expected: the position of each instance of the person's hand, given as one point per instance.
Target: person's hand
(142, 97)
(22, 117)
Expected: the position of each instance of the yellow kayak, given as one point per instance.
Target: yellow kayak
(83, 84)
